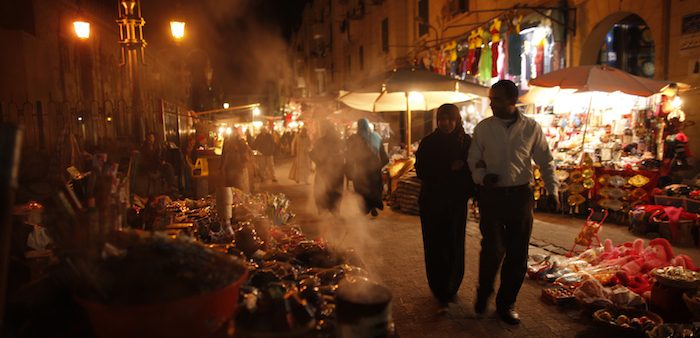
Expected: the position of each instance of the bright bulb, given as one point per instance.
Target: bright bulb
(256, 111)
(471, 109)
(226, 105)
(222, 130)
(677, 102)
(109, 119)
(177, 29)
(229, 131)
(257, 124)
(82, 29)
(80, 118)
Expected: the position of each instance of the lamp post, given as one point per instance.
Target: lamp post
(133, 47)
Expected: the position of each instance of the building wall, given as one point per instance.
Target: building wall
(681, 67)
(54, 79)
(591, 21)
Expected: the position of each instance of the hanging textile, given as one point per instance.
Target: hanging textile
(479, 51)
(503, 58)
(515, 49)
(495, 31)
(485, 65)
(539, 57)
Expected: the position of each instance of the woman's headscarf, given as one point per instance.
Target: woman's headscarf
(451, 112)
(373, 140)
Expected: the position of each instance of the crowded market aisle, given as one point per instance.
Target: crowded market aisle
(392, 248)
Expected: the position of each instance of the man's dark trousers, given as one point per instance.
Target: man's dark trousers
(506, 225)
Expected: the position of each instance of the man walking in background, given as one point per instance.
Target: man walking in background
(500, 158)
(265, 144)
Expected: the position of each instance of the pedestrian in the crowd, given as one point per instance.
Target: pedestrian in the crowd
(161, 174)
(248, 136)
(327, 153)
(265, 144)
(150, 154)
(500, 158)
(301, 165)
(441, 164)
(365, 158)
(235, 158)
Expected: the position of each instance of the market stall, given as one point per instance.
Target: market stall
(201, 267)
(606, 129)
(634, 289)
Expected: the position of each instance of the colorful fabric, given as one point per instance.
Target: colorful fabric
(515, 45)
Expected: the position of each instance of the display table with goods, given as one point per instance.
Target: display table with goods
(245, 250)
(631, 289)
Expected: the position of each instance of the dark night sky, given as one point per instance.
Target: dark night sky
(286, 13)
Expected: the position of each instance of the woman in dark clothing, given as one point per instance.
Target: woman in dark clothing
(365, 158)
(327, 153)
(446, 186)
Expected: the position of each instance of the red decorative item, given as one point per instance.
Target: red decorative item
(588, 233)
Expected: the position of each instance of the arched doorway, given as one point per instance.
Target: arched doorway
(622, 40)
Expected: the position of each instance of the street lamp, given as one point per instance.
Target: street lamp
(82, 29)
(177, 29)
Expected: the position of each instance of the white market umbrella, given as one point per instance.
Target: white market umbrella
(599, 78)
(595, 81)
(408, 90)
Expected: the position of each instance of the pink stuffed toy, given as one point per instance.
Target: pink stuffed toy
(657, 255)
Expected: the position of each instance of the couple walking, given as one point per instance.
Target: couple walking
(499, 160)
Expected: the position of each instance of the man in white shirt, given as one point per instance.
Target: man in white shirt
(500, 158)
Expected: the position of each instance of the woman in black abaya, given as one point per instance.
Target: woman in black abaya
(441, 164)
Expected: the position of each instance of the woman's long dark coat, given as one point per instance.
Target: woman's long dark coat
(443, 209)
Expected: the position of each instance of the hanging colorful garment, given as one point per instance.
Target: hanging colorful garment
(478, 52)
(485, 65)
(539, 57)
(503, 58)
(515, 50)
(495, 31)
(474, 53)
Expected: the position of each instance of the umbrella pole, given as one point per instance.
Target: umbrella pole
(408, 126)
(585, 127)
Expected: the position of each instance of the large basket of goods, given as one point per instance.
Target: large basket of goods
(150, 285)
(627, 323)
(678, 277)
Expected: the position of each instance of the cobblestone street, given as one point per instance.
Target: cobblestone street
(392, 248)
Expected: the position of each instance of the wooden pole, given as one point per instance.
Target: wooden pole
(10, 145)
(408, 126)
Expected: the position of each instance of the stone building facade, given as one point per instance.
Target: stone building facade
(670, 47)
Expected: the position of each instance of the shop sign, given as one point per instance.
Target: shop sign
(690, 33)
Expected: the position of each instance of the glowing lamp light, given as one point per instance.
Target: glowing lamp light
(257, 124)
(222, 130)
(256, 111)
(109, 119)
(82, 29)
(293, 124)
(226, 105)
(677, 102)
(471, 109)
(80, 118)
(177, 29)
(229, 131)
(416, 99)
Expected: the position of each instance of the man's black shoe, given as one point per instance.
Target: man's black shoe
(509, 316)
(480, 306)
